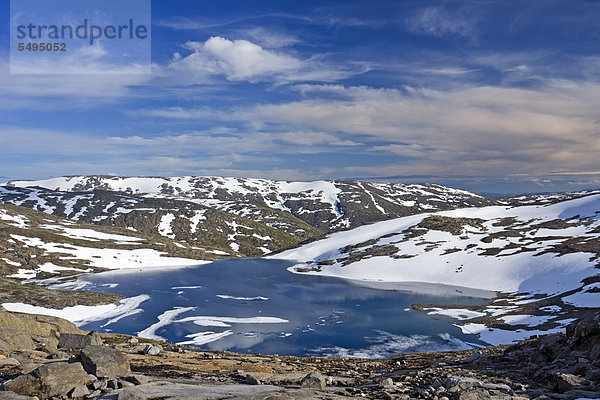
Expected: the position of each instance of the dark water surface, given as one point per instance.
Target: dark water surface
(246, 302)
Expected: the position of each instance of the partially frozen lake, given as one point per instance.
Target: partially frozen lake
(257, 306)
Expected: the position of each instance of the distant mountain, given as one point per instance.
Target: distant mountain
(326, 205)
(544, 198)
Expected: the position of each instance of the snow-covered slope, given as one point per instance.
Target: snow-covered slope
(34, 245)
(527, 249)
(326, 205)
(545, 259)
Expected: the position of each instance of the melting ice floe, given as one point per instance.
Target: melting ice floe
(224, 296)
(170, 317)
(82, 315)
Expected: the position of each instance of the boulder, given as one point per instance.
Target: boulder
(565, 382)
(595, 352)
(137, 379)
(77, 342)
(314, 380)
(15, 396)
(42, 325)
(54, 379)
(386, 383)
(472, 394)
(104, 361)
(584, 333)
(12, 339)
(550, 346)
(152, 349)
(252, 380)
(48, 344)
(461, 383)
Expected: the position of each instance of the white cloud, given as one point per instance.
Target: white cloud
(269, 39)
(480, 130)
(449, 71)
(242, 60)
(474, 130)
(437, 21)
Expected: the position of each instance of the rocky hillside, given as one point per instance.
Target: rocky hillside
(326, 205)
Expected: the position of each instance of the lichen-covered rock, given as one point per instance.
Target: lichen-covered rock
(103, 361)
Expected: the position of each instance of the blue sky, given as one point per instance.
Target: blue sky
(492, 96)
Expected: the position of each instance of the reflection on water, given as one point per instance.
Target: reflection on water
(256, 305)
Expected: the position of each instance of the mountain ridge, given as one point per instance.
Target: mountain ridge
(326, 205)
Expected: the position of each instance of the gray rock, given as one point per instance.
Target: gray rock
(500, 387)
(71, 341)
(48, 344)
(566, 382)
(104, 361)
(79, 392)
(314, 380)
(252, 380)
(595, 352)
(29, 356)
(460, 383)
(386, 382)
(58, 355)
(95, 393)
(593, 375)
(100, 384)
(472, 394)
(137, 379)
(476, 356)
(125, 384)
(12, 339)
(15, 396)
(54, 379)
(152, 349)
(584, 333)
(387, 396)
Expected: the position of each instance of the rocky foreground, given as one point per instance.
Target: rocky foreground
(46, 357)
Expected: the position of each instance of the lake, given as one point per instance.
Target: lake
(258, 306)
